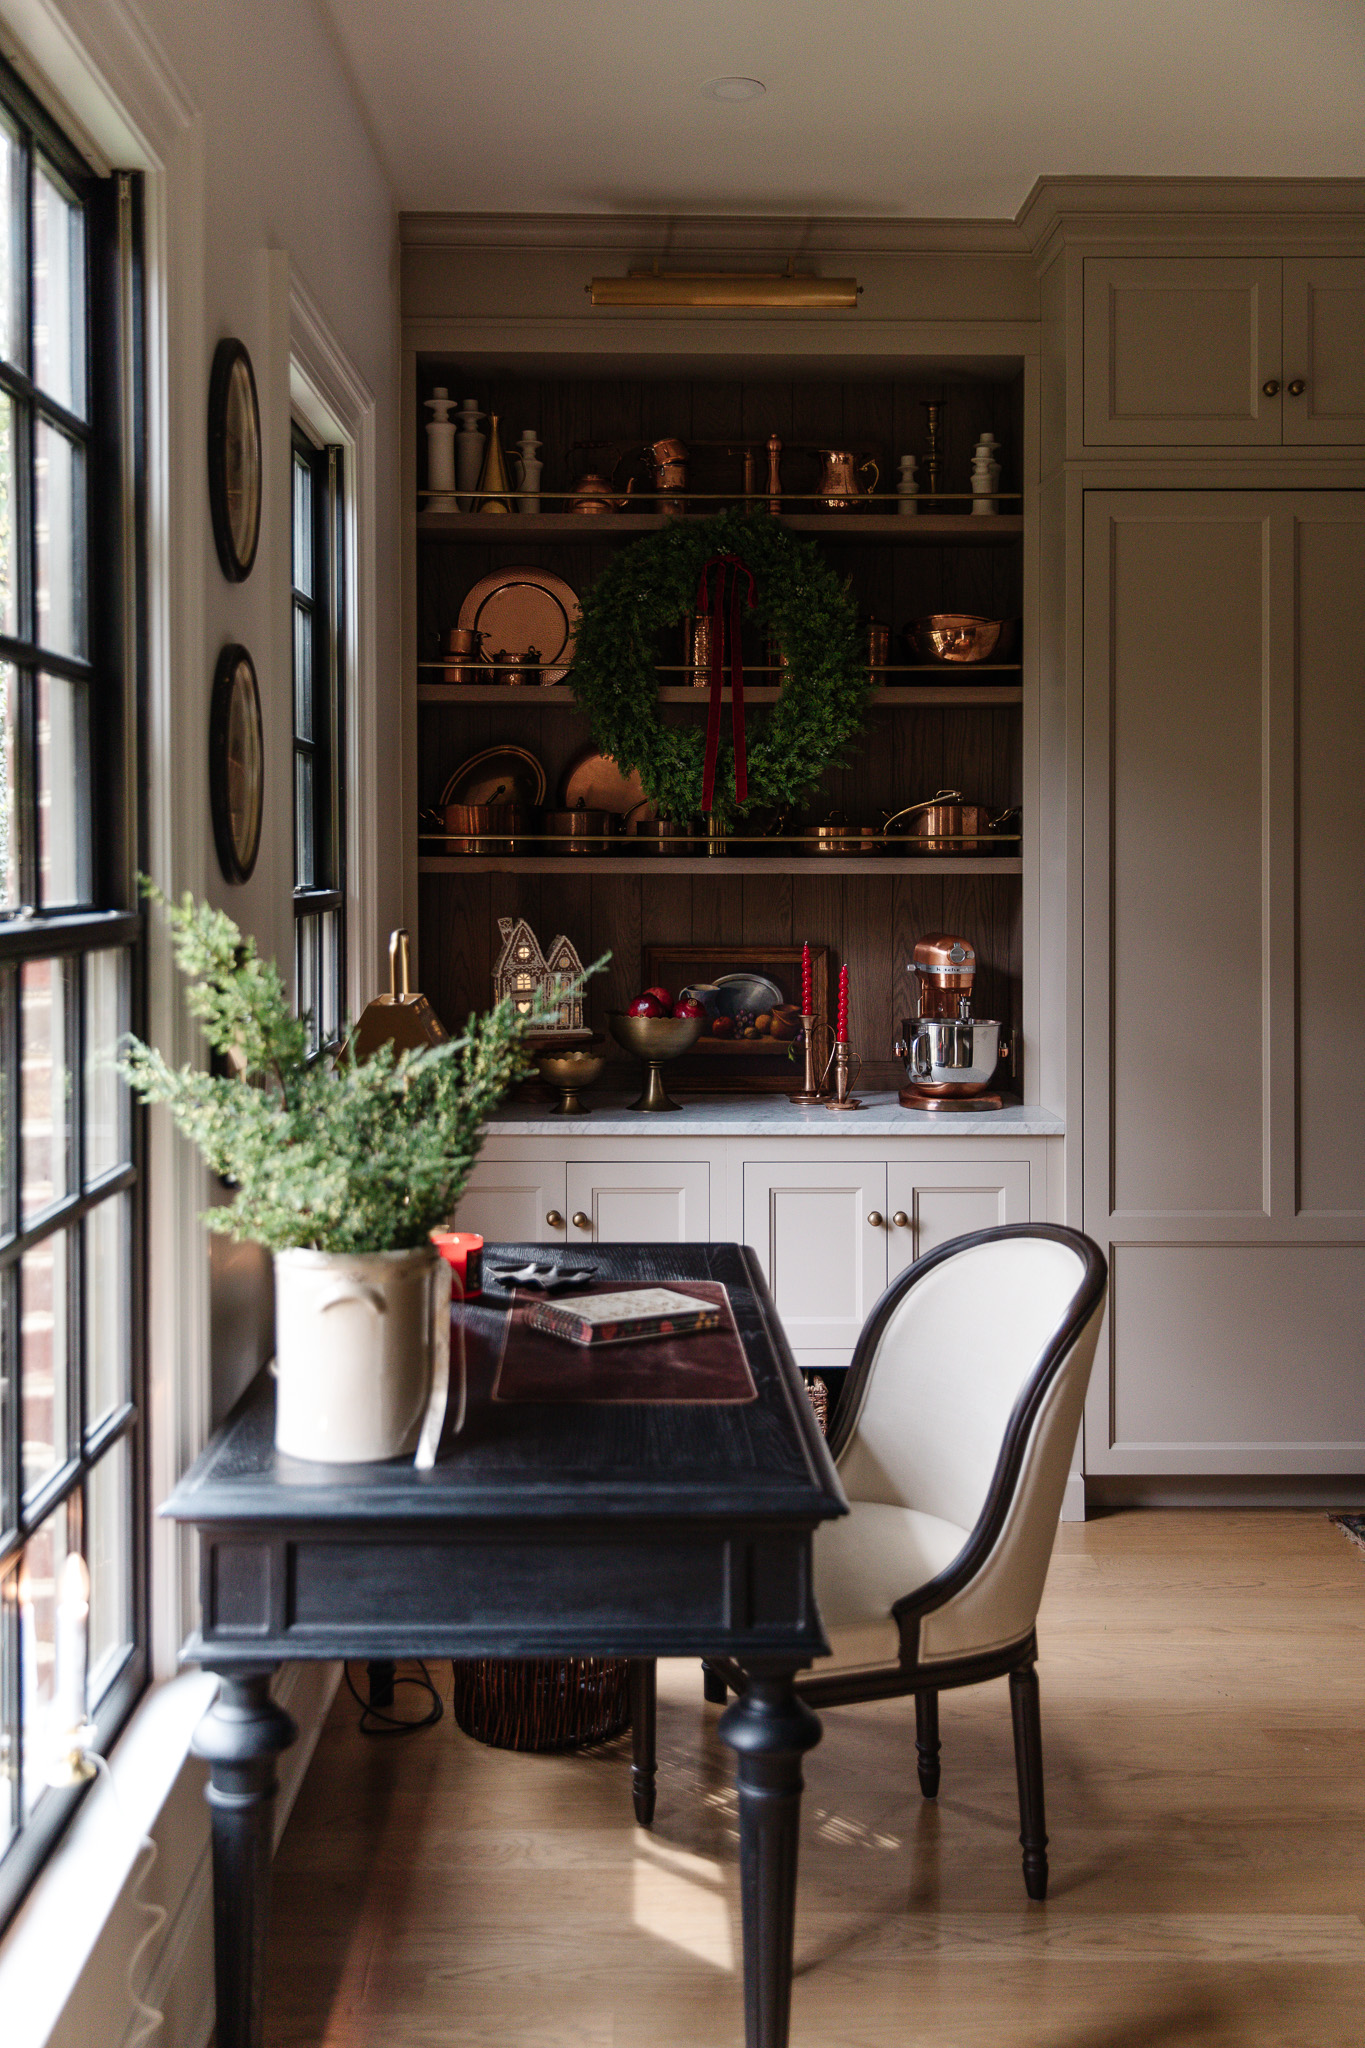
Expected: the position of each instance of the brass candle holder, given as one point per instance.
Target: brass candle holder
(843, 1081)
(812, 1089)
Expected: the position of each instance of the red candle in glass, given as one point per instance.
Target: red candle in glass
(462, 1251)
(842, 1030)
(806, 988)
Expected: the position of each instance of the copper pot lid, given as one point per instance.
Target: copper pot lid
(593, 782)
(499, 775)
(518, 609)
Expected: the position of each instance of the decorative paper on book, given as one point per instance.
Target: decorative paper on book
(704, 1365)
(626, 1317)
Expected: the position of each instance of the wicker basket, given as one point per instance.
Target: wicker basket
(542, 1703)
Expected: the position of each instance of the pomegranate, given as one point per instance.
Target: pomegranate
(647, 1005)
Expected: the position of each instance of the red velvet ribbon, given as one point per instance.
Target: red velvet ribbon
(713, 595)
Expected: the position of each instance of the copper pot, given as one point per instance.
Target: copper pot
(505, 827)
(669, 457)
(464, 642)
(835, 835)
(586, 831)
(944, 824)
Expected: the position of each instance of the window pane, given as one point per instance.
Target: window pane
(39, 1574)
(307, 945)
(58, 540)
(42, 1359)
(9, 592)
(108, 1554)
(107, 1334)
(58, 293)
(331, 976)
(9, 786)
(11, 244)
(303, 673)
(106, 1093)
(63, 792)
(303, 527)
(45, 1087)
(304, 862)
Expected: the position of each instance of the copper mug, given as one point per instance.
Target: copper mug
(839, 484)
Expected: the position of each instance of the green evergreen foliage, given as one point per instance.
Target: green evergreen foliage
(651, 586)
(328, 1154)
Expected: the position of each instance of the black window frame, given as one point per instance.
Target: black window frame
(109, 832)
(324, 892)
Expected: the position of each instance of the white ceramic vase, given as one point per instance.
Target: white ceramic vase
(528, 471)
(468, 452)
(440, 452)
(356, 1335)
(907, 490)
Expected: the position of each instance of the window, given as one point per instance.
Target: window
(70, 1181)
(319, 831)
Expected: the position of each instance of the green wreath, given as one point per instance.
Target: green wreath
(650, 587)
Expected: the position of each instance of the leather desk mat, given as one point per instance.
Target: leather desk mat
(708, 1366)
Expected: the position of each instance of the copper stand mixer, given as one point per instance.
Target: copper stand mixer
(950, 1056)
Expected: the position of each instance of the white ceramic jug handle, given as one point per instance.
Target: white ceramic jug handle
(434, 1421)
(354, 1290)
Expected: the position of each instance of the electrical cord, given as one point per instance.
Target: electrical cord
(373, 1721)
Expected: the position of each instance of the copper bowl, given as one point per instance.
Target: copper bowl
(960, 638)
(487, 828)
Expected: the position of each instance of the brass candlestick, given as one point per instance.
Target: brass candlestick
(812, 1089)
(843, 1080)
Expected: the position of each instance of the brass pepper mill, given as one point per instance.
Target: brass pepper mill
(933, 410)
(774, 474)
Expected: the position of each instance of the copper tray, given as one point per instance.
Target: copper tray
(517, 609)
(593, 782)
(498, 775)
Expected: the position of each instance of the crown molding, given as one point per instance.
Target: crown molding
(672, 235)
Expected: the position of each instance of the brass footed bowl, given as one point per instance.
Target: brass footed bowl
(568, 1072)
(654, 1040)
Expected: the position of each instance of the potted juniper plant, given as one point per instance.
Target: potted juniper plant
(341, 1169)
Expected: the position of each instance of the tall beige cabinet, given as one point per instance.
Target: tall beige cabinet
(1204, 474)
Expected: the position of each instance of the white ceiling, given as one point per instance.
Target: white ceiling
(890, 107)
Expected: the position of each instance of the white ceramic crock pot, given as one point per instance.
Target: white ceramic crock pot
(354, 1339)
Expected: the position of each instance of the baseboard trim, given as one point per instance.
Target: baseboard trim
(1148, 1490)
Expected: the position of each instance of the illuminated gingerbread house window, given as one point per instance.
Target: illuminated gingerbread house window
(536, 980)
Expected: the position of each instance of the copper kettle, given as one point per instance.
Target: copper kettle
(839, 479)
(593, 493)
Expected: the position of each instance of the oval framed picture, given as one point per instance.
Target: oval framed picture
(234, 460)
(236, 763)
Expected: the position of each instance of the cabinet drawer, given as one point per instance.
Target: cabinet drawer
(822, 1257)
(512, 1202)
(947, 1200)
(1177, 351)
(639, 1202)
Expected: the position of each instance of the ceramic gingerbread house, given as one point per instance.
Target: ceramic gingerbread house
(547, 981)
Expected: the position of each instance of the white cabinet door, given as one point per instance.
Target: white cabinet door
(823, 1254)
(639, 1202)
(515, 1202)
(1178, 352)
(931, 1203)
(1324, 350)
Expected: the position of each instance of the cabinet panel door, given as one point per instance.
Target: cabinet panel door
(1177, 351)
(1324, 347)
(947, 1199)
(511, 1203)
(639, 1202)
(823, 1260)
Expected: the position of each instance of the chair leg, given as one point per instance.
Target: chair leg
(714, 1690)
(643, 1717)
(927, 1743)
(1028, 1760)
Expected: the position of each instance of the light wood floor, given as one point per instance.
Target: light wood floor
(1203, 1682)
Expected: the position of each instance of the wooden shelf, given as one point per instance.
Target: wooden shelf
(904, 697)
(717, 868)
(923, 529)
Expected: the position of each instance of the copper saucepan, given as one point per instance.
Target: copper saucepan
(944, 824)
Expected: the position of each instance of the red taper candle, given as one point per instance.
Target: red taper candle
(842, 1032)
(805, 980)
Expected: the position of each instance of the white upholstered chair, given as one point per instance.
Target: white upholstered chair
(953, 1439)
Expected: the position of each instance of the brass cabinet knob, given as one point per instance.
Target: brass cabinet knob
(1271, 387)
(554, 1219)
(901, 1220)
(874, 1217)
(580, 1221)
(1297, 388)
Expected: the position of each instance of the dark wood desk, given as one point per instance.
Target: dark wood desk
(639, 1531)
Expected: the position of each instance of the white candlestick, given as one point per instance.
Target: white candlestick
(73, 1625)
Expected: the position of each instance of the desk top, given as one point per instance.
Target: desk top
(758, 1462)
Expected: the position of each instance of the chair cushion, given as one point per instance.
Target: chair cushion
(864, 1563)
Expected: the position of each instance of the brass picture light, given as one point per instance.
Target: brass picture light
(772, 290)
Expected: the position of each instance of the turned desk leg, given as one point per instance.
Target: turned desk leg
(644, 1693)
(240, 1737)
(769, 1729)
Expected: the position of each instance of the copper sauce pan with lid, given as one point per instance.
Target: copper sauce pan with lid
(942, 823)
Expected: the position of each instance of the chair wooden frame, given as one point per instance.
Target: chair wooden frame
(911, 1674)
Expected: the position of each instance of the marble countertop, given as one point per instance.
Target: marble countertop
(773, 1116)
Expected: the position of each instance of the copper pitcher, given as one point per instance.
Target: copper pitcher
(839, 479)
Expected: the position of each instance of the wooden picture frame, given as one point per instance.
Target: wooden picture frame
(236, 763)
(234, 459)
(750, 1065)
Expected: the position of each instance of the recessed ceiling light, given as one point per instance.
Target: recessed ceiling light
(734, 89)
